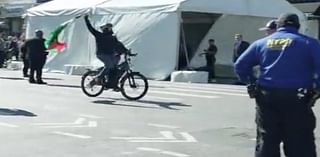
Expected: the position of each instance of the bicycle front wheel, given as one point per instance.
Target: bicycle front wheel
(134, 86)
(89, 86)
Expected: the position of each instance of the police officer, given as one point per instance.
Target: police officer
(37, 53)
(270, 27)
(288, 63)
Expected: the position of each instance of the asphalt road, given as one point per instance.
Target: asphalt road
(173, 120)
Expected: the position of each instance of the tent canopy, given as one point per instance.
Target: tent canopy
(63, 7)
(232, 7)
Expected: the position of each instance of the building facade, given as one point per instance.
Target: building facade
(11, 14)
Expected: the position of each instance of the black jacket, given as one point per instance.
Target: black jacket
(211, 55)
(34, 49)
(106, 43)
(239, 49)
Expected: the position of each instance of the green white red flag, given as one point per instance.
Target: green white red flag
(53, 40)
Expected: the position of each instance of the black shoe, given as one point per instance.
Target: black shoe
(116, 89)
(41, 82)
(32, 81)
(25, 75)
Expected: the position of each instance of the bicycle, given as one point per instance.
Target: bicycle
(133, 85)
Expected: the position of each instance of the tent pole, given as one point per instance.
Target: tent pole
(185, 45)
(179, 21)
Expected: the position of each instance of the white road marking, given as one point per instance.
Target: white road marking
(92, 124)
(71, 135)
(174, 154)
(90, 116)
(208, 92)
(159, 141)
(167, 135)
(163, 126)
(184, 94)
(79, 121)
(149, 149)
(210, 89)
(8, 125)
(54, 124)
(162, 151)
(200, 86)
(127, 153)
(167, 138)
(225, 89)
(162, 98)
(188, 137)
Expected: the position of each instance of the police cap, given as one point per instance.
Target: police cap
(269, 26)
(288, 19)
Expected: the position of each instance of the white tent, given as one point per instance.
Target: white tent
(156, 29)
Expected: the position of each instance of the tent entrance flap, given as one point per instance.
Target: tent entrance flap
(194, 28)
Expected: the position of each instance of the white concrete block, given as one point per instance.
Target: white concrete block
(190, 76)
(15, 65)
(73, 69)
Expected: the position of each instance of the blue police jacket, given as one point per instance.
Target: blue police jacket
(287, 59)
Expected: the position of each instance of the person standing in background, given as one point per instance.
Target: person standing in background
(239, 46)
(210, 54)
(36, 52)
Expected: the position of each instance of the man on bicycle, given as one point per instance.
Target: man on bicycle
(108, 48)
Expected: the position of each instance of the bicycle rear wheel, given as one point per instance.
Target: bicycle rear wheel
(89, 86)
(134, 86)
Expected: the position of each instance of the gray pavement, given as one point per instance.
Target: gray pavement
(173, 120)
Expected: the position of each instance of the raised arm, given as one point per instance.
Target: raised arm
(89, 26)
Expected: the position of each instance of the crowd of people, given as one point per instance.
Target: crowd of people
(10, 48)
(31, 53)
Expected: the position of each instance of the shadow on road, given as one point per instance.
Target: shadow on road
(51, 78)
(11, 78)
(64, 86)
(20, 78)
(15, 112)
(113, 103)
(166, 105)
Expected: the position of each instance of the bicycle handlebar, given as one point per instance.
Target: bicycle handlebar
(133, 54)
(129, 53)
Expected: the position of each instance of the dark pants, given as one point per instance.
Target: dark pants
(209, 69)
(2, 58)
(110, 62)
(25, 67)
(36, 66)
(282, 117)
